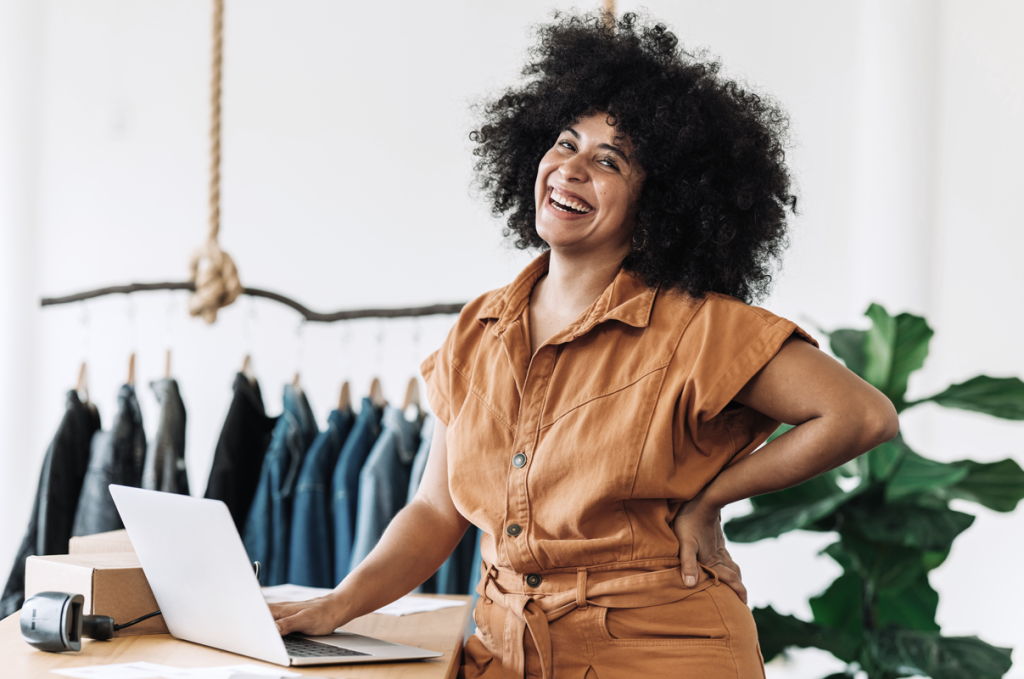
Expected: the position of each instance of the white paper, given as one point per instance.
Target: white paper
(408, 605)
(281, 593)
(147, 670)
(119, 671)
(226, 672)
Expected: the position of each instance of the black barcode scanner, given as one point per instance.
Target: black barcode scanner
(53, 621)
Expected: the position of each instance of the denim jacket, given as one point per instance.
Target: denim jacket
(60, 483)
(238, 458)
(117, 457)
(419, 463)
(345, 483)
(268, 527)
(311, 557)
(384, 480)
(165, 461)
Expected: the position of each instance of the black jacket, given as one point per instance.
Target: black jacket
(239, 456)
(117, 456)
(60, 483)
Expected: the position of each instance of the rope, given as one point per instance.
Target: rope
(211, 269)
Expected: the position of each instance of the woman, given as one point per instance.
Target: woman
(595, 415)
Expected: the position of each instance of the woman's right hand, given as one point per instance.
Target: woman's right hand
(414, 545)
(315, 617)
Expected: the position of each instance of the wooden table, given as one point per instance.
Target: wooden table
(440, 631)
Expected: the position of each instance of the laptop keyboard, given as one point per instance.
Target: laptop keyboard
(300, 647)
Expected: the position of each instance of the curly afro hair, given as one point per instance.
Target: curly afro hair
(712, 210)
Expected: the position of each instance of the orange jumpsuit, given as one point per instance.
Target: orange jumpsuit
(573, 462)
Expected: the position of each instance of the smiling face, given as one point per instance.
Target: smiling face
(587, 189)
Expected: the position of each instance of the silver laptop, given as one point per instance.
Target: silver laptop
(203, 582)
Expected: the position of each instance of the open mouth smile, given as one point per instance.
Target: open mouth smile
(569, 204)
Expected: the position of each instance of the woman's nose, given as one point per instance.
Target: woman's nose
(574, 169)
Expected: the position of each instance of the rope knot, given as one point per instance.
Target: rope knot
(216, 278)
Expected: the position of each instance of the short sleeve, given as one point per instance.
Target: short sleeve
(437, 375)
(730, 342)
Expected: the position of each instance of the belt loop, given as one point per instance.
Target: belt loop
(710, 571)
(581, 588)
(489, 573)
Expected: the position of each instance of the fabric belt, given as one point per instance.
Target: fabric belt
(533, 612)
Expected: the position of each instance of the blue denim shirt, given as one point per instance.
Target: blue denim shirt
(311, 557)
(116, 456)
(165, 460)
(345, 483)
(268, 527)
(384, 481)
(415, 476)
(455, 576)
(419, 463)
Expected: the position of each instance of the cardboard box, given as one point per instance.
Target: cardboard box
(112, 584)
(116, 541)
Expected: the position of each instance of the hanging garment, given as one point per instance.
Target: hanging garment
(60, 483)
(117, 456)
(268, 527)
(243, 442)
(384, 480)
(455, 574)
(475, 574)
(419, 463)
(311, 556)
(165, 461)
(345, 483)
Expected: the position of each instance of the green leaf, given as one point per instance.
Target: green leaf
(998, 396)
(938, 657)
(884, 460)
(894, 348)
(889, 566)
(848, 345)
(878, 347)
(777, 632)
(904, 524)
(912, 605)
(783, 428)
(912, 338)
(817, 488)
(934, 559)
(840, 606)
(917, 475)
(996, 485)
(770, 521)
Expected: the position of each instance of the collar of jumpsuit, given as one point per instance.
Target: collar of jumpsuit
(573, 461)
(627, 299)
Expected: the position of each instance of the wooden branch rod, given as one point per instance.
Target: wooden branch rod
(313, 316)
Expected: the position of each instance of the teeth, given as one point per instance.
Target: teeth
(568, 202)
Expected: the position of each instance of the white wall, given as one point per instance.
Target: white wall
(346, 184)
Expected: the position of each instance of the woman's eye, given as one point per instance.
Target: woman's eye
(609, 163)
(567, 145)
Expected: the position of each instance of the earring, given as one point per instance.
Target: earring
(639, 246)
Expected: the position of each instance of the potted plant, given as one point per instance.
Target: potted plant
(893, 522)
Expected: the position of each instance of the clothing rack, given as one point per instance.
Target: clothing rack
(219, 283)
(307, 314)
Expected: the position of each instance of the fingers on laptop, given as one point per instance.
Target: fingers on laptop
(300, 617)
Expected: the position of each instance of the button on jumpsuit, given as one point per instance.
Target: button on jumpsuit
(573, 463)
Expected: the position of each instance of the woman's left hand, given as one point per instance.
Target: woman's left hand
(699, 530)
